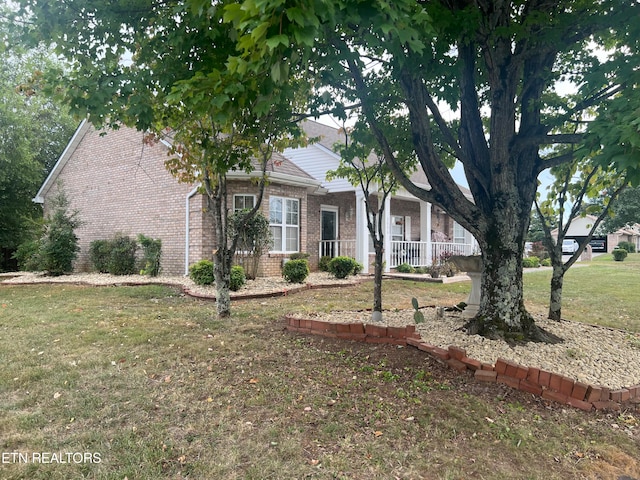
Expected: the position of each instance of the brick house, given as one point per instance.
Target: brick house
(119, 184)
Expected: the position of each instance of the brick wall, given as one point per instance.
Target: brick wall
(119, 184)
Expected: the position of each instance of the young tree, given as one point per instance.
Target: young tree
(159, 65)
(362, 163)
(59, 245)
(576, 184)
(496, 66)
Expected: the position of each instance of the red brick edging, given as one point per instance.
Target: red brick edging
(548, 385)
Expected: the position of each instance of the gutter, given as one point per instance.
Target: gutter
(186, 236)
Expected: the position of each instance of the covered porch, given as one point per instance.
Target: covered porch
(412, 234)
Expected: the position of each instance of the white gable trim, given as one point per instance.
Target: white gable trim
(79, 134)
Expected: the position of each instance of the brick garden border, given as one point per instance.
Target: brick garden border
(548, 385)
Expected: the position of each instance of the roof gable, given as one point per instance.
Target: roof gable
(77, 137)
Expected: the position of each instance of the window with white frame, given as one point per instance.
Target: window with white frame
(459, 233)
(284, 222)
(397, 228)
(243, 202)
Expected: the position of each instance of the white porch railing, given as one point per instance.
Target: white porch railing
(413, 253)
(447, 249)
(416, 253)
(337, 248)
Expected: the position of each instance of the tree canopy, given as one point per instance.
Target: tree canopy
(34, 131)
(482, 82)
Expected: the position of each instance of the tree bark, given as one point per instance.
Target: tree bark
(555, 300)
(377, 280)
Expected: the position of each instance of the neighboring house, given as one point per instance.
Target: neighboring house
(581, 226)
(119, 184)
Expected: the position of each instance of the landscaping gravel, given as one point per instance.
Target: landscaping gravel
(590, 354)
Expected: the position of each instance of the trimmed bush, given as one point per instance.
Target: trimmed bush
(122, 257)
(342, 267)
(628, 246)
(619, 254)
(531, 262)
(202, 272)
(237, 278)
(405, 268)
(546, 262)
(296, 271)
(151, 254)
(323, 263)
(99, 252)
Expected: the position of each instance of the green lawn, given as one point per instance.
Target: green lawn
(149, 385)
(605, 292)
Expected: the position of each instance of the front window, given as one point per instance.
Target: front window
(243, 202)
(284, 222)
(459, 233)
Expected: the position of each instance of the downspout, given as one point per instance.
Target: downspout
(187, 227)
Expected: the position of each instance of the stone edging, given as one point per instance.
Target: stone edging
(547, 385)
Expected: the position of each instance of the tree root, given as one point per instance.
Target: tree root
(497, 329)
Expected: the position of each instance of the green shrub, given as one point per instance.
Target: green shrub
(546, 262)
(628, 246)
(99, 252)
(296, 271)
(202, 272)
(323, 263)
(342, 267)
(237, 278)
(619, 254)
(29, 255)
(122, 255)
(59, 245)
(151, 254)
(405, 268)
(531, 262)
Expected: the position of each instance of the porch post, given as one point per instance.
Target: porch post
(387, 234)
(425, 229)
(362, 232)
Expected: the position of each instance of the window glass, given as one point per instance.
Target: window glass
(284, 221)
(243, 202)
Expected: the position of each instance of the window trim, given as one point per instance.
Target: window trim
(284, 226)
(236, 195)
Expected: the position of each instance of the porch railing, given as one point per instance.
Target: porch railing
(413, 253)
(416, 253)
(337, 248)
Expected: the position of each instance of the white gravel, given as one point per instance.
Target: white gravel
(591, 354)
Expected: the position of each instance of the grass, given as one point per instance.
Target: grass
(151, 385)
(604, 293)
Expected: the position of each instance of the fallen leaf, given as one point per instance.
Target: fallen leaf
(253, 380)
(167, 379)
(377, 433)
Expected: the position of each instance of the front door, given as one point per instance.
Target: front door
(329, 229)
